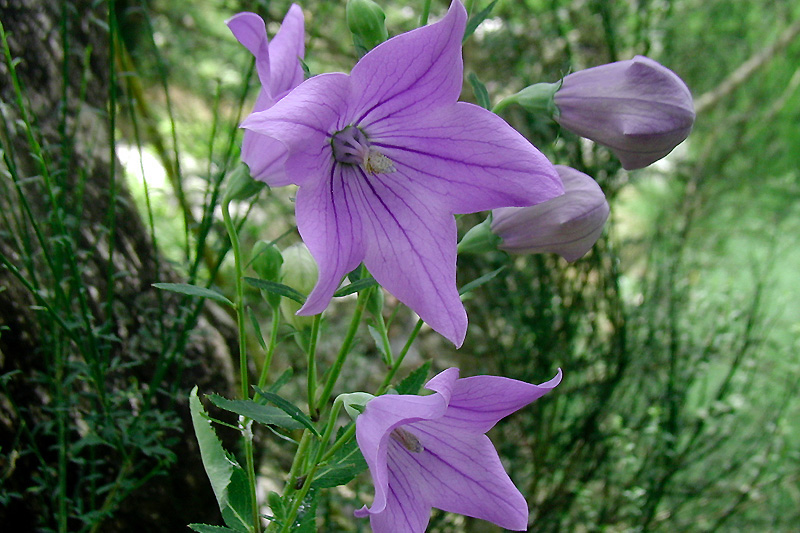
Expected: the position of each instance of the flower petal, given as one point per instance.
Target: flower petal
(479, 402)
(418, 70)
(303, 121)
(411, 251)
(332, 229)
(461, 473)
(285, 51)
(249, 29)
(469, 158)
(382, 415)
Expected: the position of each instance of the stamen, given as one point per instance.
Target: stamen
(350, 146)
(408, 440)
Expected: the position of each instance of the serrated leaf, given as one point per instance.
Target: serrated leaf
(481, 94)
(474, 284)
(356, 286)
(193, 290)
(345, 465)
(223, 471)
(414, 381)
(263, 414)
(277, 288)
(475, 21)
(205, 528)
(289, 408)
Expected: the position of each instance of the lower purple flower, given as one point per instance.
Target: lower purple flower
(432, 451)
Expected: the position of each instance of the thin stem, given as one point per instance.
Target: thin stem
(273, 342)
(309, 476)
(336, 369)
(390, 375)
(426, 10)
(240, 320)
(312, 367)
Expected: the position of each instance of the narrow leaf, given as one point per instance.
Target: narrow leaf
(345, 465)
(289, 408)
(263, 414)
(277, 288)
(193, 290)
(378, 338)
(474, 284)
(356, 286)
(282, 380)
(205, 528)
(256, 327)
(481, 94)
(476, 20)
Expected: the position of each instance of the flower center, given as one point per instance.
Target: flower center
(408, 440)
(351, 147)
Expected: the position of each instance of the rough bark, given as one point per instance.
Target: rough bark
(165, 503)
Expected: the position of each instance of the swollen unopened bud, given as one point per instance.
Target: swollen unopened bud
(240, 185)
(568, 225)
(367, 23)
(638, 108)
(299, 271)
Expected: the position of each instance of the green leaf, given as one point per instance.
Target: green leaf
(277, 288)
(476, 20)
(224, 473)
(414, 381)
(193, 290)
(474, 284)
(205, 528)
(481, 94)
(307, 518)
(378, 338)
(289, 408)
(282, 380)
(345, 465)
(360, 285)
(263, 414)
(256, 327)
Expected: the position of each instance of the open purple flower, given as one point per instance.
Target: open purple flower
(383, 159)
(638, 108)
(432, 451)
(279, 70)
(568, 225)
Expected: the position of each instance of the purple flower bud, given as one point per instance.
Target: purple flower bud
(638, 108)
(568, 225)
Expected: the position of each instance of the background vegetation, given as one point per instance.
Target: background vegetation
(677, 334)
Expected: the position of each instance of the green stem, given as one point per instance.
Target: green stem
(309, 476)
(336, 369)
(426, 10)
(312, 367)
(390, 375)
(240, 320)
(273, 342)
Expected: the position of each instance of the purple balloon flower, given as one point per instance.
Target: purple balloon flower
(432, 451)
(568, 225)
(279, 70)
(383, 159)
(638, 108)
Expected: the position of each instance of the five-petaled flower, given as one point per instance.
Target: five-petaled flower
(638, 108)
(384, 157)
(279, 70)
(432, 451)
